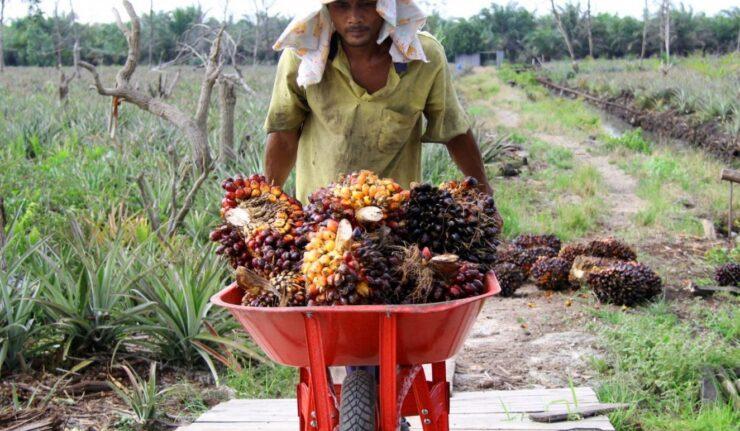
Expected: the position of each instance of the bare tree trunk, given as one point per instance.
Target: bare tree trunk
(588, 27)
(257, 38)
(151, 30)
(645, 19)
(565, 35)
(667, 36)
(737, 46)
(2, 32)
(227, 103)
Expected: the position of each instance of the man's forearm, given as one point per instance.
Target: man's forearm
(466, 155)
(281, 151)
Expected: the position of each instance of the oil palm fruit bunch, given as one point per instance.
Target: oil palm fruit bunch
(624, 283)
(510, 277)
(280, 290)
(728, 275)
(445, 277)
(231, 245)
(380, 261)
(583, 265)
(571, 251)
(480, 211)
(611, 248)
(524, 258)
(363, 198)
(531, 241)
(274, 253)
(551, 273)
(251, 203)
(345, 266)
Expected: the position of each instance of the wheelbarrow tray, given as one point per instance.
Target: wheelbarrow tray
(350, 335)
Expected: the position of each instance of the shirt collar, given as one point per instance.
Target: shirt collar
(334, 50)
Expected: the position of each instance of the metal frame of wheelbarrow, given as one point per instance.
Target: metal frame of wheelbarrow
(399, 338)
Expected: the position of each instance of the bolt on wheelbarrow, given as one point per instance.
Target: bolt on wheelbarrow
(397, 338)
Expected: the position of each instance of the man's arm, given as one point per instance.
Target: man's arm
(281, 151)
(466, 155)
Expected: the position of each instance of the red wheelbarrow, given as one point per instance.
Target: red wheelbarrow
(398, 338)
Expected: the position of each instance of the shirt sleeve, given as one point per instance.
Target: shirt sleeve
(288, 106)
(446, 118)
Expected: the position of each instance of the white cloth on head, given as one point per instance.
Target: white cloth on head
(310, 36)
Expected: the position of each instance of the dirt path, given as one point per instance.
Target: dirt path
(620, 187)
(537, 339)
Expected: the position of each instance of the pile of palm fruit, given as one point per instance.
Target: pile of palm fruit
(607, 266)
(360, 240)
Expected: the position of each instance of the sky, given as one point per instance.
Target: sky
(100, 10)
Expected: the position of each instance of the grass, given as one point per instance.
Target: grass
(654, 362)
(264, 382)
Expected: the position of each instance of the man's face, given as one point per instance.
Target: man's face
(357, 21)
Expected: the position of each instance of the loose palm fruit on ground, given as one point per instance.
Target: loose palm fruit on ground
(625, 283)
(252, 203)
(510, 277)
(529, 241)
(728, 275)
(232, 246)
(551, 273)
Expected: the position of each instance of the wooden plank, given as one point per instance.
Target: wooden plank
(470, 411)
(582, 411)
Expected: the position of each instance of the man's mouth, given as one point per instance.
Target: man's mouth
(358, 30)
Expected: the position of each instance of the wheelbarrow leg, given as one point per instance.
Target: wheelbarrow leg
(319, 378)
(388, 373)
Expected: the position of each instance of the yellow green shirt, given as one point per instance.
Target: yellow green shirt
(345, 129)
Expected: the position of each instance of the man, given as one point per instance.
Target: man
(362, 88)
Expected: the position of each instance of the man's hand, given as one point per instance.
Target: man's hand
(466, 155)
(281, 151)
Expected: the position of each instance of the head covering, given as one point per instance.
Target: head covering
(310, 36)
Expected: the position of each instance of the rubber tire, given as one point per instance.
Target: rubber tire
(357, 408)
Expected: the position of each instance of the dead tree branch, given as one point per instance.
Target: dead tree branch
(3, 240)
(564, 33)
(193, 127)
(227, 104)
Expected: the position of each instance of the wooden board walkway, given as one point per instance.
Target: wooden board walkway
(470, 411)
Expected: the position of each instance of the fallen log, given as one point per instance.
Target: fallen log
(552, 85)
(697, 290)
(580, 412)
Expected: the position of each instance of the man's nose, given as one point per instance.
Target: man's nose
(356, 15)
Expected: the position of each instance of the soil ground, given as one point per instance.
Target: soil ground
(542, 339)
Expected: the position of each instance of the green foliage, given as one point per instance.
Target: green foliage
(85, 292)
(142, 397)
(184, 327)
(263, 382)
(632, 140)
(654, 361)
(717, 256)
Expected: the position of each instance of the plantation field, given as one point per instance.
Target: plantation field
(88, 286)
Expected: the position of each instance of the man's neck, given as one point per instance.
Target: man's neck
(367, 52)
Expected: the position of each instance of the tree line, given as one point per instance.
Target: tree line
(40, 40)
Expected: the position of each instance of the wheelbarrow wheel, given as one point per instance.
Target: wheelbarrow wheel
(357, 408)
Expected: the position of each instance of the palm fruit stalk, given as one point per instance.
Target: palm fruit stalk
(280, 290)
(584, 265)
(624, 283)
(439, 278)
(728, 275)
(510, 277)
(551, 273)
